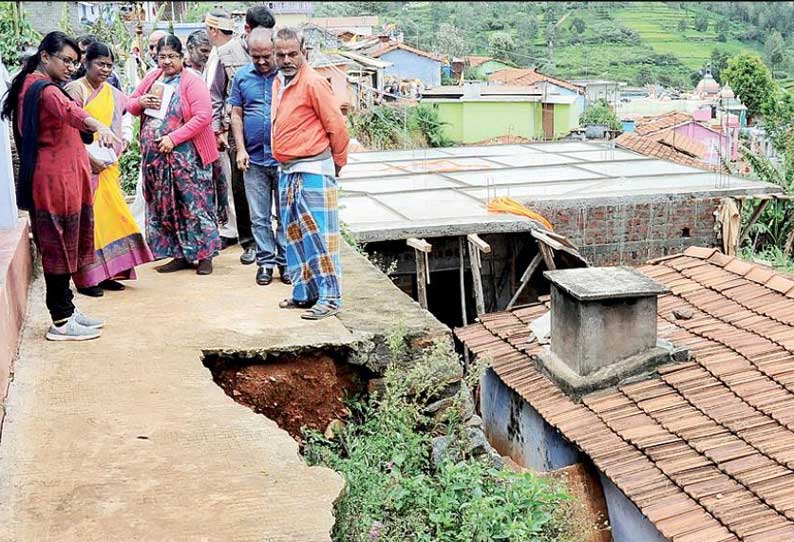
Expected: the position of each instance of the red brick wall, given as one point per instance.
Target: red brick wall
(633, 232)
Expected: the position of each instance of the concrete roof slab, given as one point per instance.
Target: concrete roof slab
(441, 204)
(522, 176)
(364, 210)
(397, 184)
(633, 168)
(534, 159)
(529, 192)
(490, 150)
(604, 155)
(391, 156)
(448, 164)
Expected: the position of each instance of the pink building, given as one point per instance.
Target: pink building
(697, 135)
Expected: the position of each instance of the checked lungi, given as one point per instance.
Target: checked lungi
(310, 215)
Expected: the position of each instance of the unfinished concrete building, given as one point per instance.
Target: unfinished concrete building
(615, 206)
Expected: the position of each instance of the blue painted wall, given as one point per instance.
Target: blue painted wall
(408, 65)
(628, 523)
(516, 429)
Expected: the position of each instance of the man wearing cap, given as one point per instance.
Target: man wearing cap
(231, 53)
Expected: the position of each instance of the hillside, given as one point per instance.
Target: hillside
(637, 42)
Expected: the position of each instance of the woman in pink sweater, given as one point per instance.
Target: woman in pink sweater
(177, 151)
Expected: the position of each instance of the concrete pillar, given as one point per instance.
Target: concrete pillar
(8, 201)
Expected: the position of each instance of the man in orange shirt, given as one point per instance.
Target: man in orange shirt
(310, 141)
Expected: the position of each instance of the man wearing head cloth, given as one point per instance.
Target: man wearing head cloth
(229, 54)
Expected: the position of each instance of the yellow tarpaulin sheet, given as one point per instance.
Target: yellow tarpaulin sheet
(511, 206)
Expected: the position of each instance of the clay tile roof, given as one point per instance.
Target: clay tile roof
(393, 46)
(705, 448)
(683, 143)
(475, 61)
(650, 125)
(650, 147)
(527, 77)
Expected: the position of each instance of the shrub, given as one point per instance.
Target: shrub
(599, 114)
(130, 162)
(424, 119)
(380, 127)
(395, 495)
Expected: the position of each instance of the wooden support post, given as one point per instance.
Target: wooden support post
(533, 265)
(462, 255)
(421, 248)
(753, 219)
(547, 254)
(477, 245)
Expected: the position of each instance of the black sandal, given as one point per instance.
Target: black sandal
(292, 304)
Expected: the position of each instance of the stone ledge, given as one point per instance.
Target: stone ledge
(16, 271)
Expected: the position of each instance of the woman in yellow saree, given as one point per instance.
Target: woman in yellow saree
(118, 241)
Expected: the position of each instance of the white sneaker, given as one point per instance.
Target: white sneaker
(87, 321)
(72, 331)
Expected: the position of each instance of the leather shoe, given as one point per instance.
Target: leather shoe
(204, 267)
(177, 264)
(264, 276)
(227, 242)
(249, 256)
(282, 271)
(92, 291)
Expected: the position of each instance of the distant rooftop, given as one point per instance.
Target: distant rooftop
(390, 195)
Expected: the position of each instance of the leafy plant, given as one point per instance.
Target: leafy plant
(130, 162)
(15, 34)
(380, 127)
(600, 114)
(394, 494)
(425, 119)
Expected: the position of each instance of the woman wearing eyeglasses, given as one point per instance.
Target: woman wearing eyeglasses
(118, 242)
(54, 181)
(177, 152)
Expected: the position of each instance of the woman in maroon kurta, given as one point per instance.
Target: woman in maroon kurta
(55, 176)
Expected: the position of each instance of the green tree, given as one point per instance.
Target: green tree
(778, 114)
(751, 80)
(682, 24)
(578, 25)
(774, 49)
(719, 61)
(645, 76)
(501, 45)
(527, 28)
(451, 41)
(701, 22)
(600, 114)
(15, 34)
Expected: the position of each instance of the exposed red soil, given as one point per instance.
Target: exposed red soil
(307, 390)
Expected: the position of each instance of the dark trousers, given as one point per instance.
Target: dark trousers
(244, 233)
(59, 296)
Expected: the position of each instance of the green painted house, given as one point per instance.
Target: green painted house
(474, 113)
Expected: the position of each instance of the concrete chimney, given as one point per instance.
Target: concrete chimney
(603, 328)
